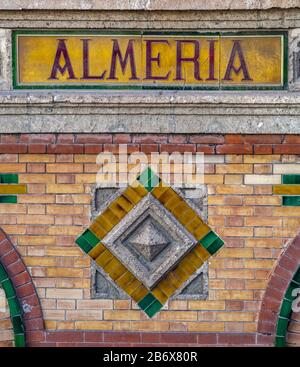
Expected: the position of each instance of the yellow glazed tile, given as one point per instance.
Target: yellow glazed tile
(173, 203)
(201, 252)
(104, 223)
(124, 203)
(160, 295)
(192, 257)
(98, 230)
(159, 190)
(180, 273)
(187, 216)
(167, 195)
(188, 266)
(97, 250)
(12, 189)
(180, 209)
(115, 268)
(139, 293)
(110, 217)
(201, 231)
(172, 278)
(132, 195)
(131, 287)
(194, 224)
(286, 189)
(117, 210)
(166, 287)
(104, 258)
(139, 189)
(125, 279)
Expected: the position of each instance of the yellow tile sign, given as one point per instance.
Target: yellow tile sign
(140, 60)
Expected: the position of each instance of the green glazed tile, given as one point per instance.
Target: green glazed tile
(90, 237)
(3, 274)
(291, 200)
(20, 340)
(282, 325)
(147, 301)
(153, 308)
(17, 324)
(148, 179)
(215, 246)
(286, 308)
(83, 244)
(208, 239)
(8, 288)
(291, 179)
(14, 307)
(280, 341)
(9, 178)
(8, 199)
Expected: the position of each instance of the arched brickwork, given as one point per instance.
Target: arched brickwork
(22, 284)
(279, 282)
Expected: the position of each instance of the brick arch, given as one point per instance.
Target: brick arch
(24, 288)
(279, 282)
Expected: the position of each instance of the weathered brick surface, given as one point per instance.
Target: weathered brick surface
(60, 172)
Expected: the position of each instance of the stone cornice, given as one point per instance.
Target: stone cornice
(147, 4)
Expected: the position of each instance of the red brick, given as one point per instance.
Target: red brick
(266, 327)
(283, 273)
(149, 148)
(125, 337)
(150, 138)
(265, 340)
(150, 337)
(288, 263)
(66, 138)
(234, 149)
(36, 167)
(93, 149)
(278, 283)
(13, 148)
(7, 138)
(35, 336)
(65, 149)
(25, 290)
(21, 279)
(207, 338)
(16, 268)
(291, 139)
(121, 138)
(206, 149)
(181, 148)
(94, 138)
(5, 247)
(263, 149)
(234, 139)
(287, 149)
(114, 148)
(93, 336)
(262, 139)
(178, 338)
(61, 336)
(38, 138)
(207, 139)
(37, 148)
(177, 139)
(35, 324)
(236, 339)
(34, 313)
(9, 258)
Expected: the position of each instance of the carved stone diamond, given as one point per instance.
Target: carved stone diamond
(149, 241)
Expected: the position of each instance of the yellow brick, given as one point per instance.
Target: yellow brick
(234, 190)
(148, 326)
(85, 179)
(263, 221)
(65, 209)
(262, 200)
(65, 325)
(64, 293)
(250, 327)
(287, 212)
(233, 210)
(206, 305)
(64, 168)
(235, 316)
(65, 231)
(213, 179)
(64, 189)
(234, 252)
(259, 264)
(12, 208)
(234, 168)
(35, 219)
(233, 179)
(78, 315)
(178, 315)
(62, 251)
(256, 284)
(233, 295)
(40, 261)
(64, 272)
(85, 158)
(236, 232)
(37, 240)
(206, 326)
(257, 158)
(37, 158)
(235, 273)
(36, 178)
(263, 242)
(122, 315)
(12, 167)
(39, 199)
(93, 325)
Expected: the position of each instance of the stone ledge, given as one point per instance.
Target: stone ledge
(148, 5)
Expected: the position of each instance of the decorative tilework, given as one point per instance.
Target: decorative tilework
(14, 308)
(290, 189)
(286, 310)
(207, 242)
(9, 184)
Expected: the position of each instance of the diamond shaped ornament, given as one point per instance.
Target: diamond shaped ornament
(149, 241)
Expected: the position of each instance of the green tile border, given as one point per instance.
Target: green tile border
(9, 178)
(14, 308)
(290, 200)
(290, 179)
(8, 199)
(286, 311)
(16, 85)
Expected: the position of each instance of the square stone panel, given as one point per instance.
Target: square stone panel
(149, 241)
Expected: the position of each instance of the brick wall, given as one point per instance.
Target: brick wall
(60, 172)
